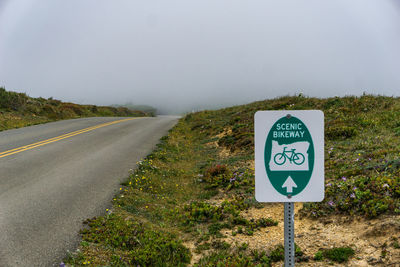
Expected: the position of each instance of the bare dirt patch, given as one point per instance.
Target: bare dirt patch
(371, 239)
(190, 244)
(223, 152)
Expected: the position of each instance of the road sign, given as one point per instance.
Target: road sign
(289, 156)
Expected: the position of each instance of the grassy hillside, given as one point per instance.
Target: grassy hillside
(192, 200)
(19, 110)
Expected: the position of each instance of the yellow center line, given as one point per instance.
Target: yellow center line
(54, 138)
(57, 138)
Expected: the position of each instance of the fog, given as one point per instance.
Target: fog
(187, 55)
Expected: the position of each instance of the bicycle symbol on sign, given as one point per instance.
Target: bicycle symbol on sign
(291, 155)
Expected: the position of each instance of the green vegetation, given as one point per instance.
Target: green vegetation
(396, 244)
(224, 216)
(19, 110)
(362, 151)
(194, 190)
(143, 246)
(340, 255)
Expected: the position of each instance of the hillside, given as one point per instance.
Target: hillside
(192, 200)
(19, 110)
(145, 108)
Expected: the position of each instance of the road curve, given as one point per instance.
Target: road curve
(55, 175)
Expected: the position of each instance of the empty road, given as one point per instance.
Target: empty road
(54, 176)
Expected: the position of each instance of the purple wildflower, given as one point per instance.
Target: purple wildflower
(385, 185)
(330, 203)
(62, 264)
(344, 178)
(232, 179)
(354, 188)
(329, 184)
(353, 195)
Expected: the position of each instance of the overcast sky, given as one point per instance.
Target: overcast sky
(196, 54)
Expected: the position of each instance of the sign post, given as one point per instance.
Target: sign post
(289, 163)
(289, 234)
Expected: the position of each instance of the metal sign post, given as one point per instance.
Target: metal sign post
(289, 234)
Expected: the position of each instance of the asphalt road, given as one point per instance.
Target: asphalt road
(54, 176)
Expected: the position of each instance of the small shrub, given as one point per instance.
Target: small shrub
(278, 254)
(340, 255)
(243, 246)
(220, 245)
(12, 100)
(76, 258)
(49, 111)
(319, 256)
(340, 132)
(298, 252)
(265, 222)
(397, 131)
(116, 260)
(208, 194)
(218, 175)
(202, 247)
(32, 109)
(214, 229)
(201, 212)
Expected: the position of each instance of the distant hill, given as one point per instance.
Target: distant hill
(145, 108)
(19, 110)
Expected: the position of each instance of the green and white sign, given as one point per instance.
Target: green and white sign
(289, 154)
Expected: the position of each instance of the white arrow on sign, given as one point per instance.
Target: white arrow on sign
(289, 184)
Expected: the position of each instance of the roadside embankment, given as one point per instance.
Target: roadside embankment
(19, 110)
